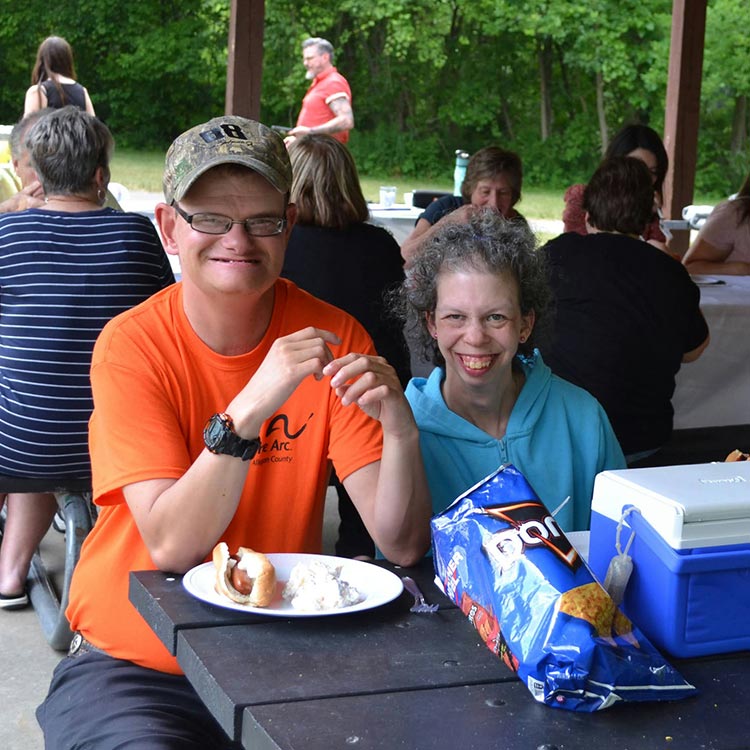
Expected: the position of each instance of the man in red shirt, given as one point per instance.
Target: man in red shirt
(327, 105)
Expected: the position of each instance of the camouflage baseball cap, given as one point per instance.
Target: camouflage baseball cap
(225, 140)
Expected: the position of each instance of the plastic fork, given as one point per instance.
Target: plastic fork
(420, 605)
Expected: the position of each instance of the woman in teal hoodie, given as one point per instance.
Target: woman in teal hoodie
(476, 297)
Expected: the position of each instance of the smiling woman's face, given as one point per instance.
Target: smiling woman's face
(478, 325)
(494, 193)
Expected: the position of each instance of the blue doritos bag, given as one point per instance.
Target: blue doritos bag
(502, 558)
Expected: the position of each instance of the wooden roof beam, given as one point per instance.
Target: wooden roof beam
(682, 116)
(245, 58)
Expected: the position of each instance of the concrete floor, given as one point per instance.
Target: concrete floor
(27, 663)
(27, 660)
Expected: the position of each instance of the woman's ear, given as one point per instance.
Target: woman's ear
(101, 180)
(429, 318)
(527, 326)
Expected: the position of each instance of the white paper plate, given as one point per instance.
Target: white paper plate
(377, 585)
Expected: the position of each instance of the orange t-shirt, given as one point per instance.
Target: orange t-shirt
(155, 384)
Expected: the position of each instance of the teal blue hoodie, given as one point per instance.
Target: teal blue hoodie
(558, 436)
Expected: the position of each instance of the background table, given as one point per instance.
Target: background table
(715, 389)
(388, 678)
(399, 219)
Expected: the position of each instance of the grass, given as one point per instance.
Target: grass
(142, 170)
(138, 170)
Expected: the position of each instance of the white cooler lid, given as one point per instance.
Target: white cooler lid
(700, 505)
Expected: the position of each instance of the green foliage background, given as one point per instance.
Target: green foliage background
(427, 77)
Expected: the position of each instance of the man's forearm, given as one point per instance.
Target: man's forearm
(337, 124)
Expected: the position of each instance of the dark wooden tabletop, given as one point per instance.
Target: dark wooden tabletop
(389, 678)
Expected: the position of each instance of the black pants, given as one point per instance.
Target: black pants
(95, 701)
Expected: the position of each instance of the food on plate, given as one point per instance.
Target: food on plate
(502, 558)
(737, 455)
(315, 586)
(247, 577)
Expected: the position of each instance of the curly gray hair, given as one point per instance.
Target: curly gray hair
(488, 242)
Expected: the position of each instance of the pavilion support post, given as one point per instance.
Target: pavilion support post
(682, 115)
(245, 58)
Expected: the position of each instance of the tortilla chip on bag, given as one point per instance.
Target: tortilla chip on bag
(502, 558)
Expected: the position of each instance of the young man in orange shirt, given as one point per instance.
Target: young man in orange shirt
(290, 381)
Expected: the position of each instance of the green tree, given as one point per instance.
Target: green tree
(550, 79)
(722, 149)
(152, 68)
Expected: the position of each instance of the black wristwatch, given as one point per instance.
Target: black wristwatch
(220, 437)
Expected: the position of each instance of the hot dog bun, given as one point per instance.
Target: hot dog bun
(246, 578)
(737, 455)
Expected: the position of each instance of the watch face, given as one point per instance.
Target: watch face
(219, 437)
(215, 432)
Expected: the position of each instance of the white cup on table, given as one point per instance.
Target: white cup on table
(387, 196)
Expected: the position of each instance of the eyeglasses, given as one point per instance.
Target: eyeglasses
(264, 226)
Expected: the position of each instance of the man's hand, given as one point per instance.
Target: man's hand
(372, 384)
(289, 361)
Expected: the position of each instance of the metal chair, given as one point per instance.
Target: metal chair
(74, 500)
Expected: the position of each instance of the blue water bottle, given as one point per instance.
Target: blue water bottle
(462, 159)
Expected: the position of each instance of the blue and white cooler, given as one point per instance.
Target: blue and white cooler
(689, 591)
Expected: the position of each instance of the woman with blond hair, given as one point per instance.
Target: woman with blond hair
(53, 81)
(334, 254)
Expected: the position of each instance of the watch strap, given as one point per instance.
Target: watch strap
(220, 438)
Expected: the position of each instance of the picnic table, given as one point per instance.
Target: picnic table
(715, 389)
(387, 678)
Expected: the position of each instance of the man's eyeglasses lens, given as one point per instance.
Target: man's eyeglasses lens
(264, 226)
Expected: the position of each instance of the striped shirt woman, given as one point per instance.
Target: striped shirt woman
(63, 275)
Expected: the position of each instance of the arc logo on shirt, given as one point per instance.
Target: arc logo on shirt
(279, 440)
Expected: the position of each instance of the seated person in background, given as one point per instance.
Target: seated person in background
(293, 384)
(723, 242)
(65, 270)
(477, 294)
(494, 178)
(627, 315)
(31, 194)
(640, 142)
(335, 255)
